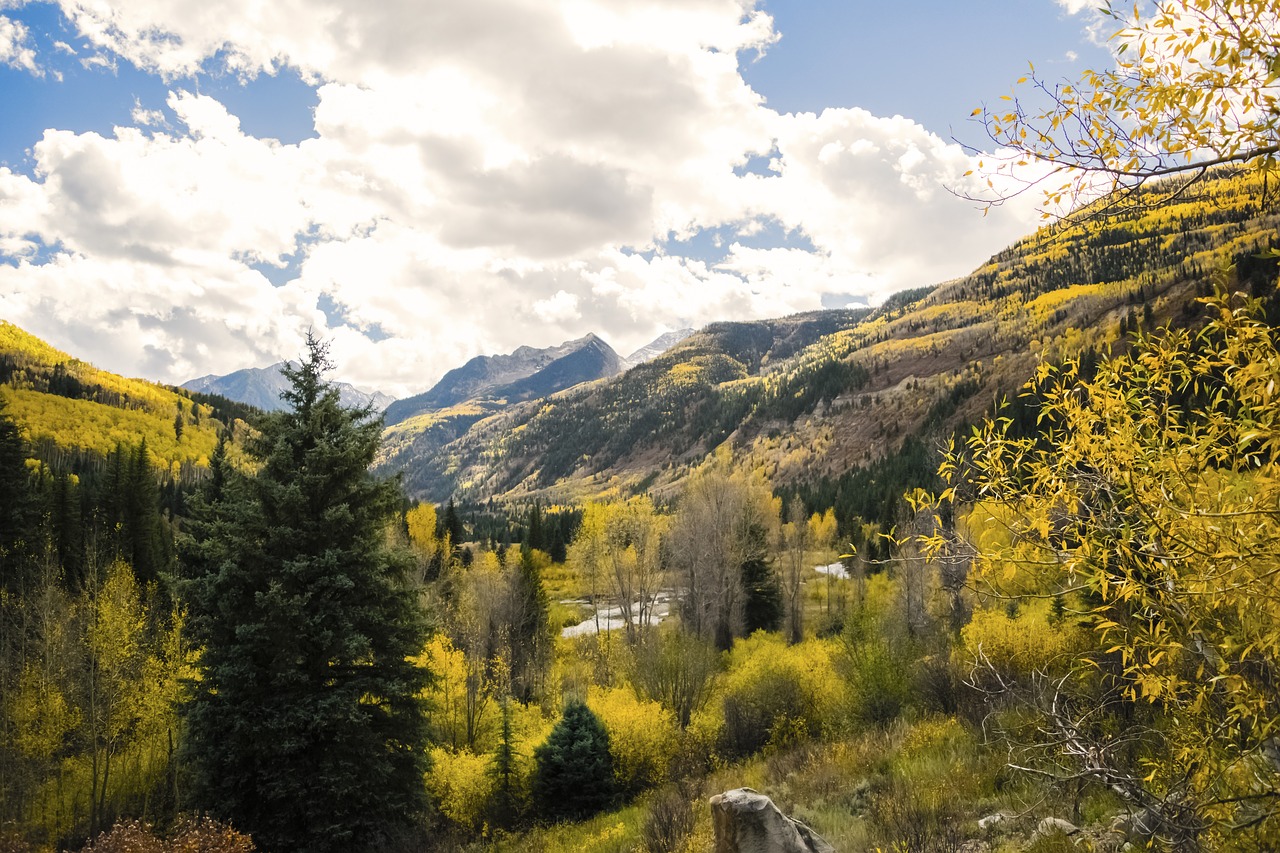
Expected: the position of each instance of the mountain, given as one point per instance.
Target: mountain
(526, 374)
(261, 386)
(655, 348)
(659, 408)
(817, 398)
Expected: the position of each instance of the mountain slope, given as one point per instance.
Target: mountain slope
(260, 387)
(670, 401)
(524, 374)
(73, 415)
(807, 405)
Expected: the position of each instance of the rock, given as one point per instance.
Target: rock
(1050, 825)
(1141, 826)
(748, 822)
(991, 820)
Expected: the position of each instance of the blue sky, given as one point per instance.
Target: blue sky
(185, 188)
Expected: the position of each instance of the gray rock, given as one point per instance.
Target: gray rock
(748, 822)
(1141, 826)
(1050, 825)
(991, 820)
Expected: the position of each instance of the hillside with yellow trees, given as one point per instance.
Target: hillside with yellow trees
(815, 399)
(74, 415)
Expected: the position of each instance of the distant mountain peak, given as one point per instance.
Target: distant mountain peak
(526, 373)
(261, 387)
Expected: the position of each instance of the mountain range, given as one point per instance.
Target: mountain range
(811, 398)
(495, 381)
(260, 387)
(827, 400)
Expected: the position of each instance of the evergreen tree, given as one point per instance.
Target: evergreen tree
(574, 775)
(142, 532)
(16, 511)
(453, 524)
(306, 729)
(762, 594)
(536, 538)
(504, 769)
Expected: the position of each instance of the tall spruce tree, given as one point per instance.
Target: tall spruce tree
(306, 729)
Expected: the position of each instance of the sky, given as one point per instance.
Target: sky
(189, 187)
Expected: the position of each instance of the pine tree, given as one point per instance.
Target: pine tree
(16, 510)
(306, 729)
(504, 769)
(536, 538)
(574, 775)
(453, 524)
(762, 594)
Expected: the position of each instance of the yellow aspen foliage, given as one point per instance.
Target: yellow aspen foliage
(1023, 643)
(461, 785)
(775, 694)
(1193, 85)
(1153, 494)
(643, 737)
(421, 521)
(447, 694)
(41, 717)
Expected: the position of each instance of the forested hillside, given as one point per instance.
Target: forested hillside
(74, 415)
(815, 397)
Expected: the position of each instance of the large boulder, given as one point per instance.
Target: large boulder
(748, 822)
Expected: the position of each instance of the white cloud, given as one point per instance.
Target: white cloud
(484, 175)
(558, 308)
(15, 47)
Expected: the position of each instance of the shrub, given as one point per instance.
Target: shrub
(191, 835)
(1023, 643)
(461, 784)
(777, 694)
(670, 819)
(643, 737)
(205, 835)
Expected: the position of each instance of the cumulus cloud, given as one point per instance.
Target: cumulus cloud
(15, 46)
(483, 175)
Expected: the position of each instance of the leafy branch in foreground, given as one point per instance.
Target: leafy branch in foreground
(1194, 87)
(1151, 502)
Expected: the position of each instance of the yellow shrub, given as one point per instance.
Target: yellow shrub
(461, 785)
(776, 694)
(643, 736)
(1021, 644)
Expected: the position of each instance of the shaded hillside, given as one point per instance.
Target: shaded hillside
(813, 397)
